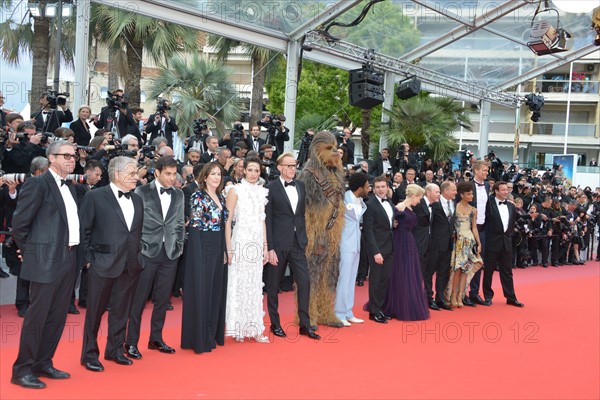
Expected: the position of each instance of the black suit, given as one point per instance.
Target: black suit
(377, 230)
(162, 244)
(440, 250)
(379, 169)
(81, 129)
(278, 140)
(113, 251)
(3, 115)
(422, 231)
(18, 158)
(155, 129)
(400, 192)
(124, 121)
(137, 132)
(207, 157)
(498, 250)
(40, 229)
(286, 234)
(476, 280)
(188, 191)
(53, 121)
(250, 142)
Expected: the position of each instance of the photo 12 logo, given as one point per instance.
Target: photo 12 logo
(470, 332)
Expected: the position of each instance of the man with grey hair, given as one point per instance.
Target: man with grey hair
(45, 227)
(131, 142)
(422, 234)
(39, 165)
(111, 226)
(165, 151)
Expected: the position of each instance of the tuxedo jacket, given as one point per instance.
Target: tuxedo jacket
(250, 142)
(154, 130)
(497, 239)
(82, 132)
(284, 226)
(378, 170)
(155, 228)
(55, 122)
(474, 185)
(206, 157)
(377, 229)
(137, 132)
(40, 229)
(106, 243)
(123, 124)
(351, 233)
(422, 230)
(18, 158)
(442, 229)
(3, 115)
(188, 191)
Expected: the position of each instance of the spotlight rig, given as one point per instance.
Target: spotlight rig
(535, 102)
(545, 38)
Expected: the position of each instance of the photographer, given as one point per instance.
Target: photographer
(237, 134)
(346, 140)
(405, 159)
(137, 114)
(115, 116)
(162, 124)
(49, 117)
(255, 142)
(3, 113)
(270, 173)
(520, 239)
(212, 146)
(559, 229)
(305, 142)
(201, 133)
(21, 147)
(278, 134)
(193, 157)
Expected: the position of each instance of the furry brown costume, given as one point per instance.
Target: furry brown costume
(323, 176)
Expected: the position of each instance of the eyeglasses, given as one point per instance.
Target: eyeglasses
(289, 165)
(68, 156)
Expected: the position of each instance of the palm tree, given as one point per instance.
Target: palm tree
(428, 123)
(261, 64)
(118, 29)
(200, 88)
(317, 122)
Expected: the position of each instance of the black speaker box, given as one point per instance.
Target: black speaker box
(366, 76)
(365, 95)
(408, 89)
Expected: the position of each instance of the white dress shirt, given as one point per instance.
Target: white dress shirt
(165, 199)
(126, 205)
(70, 208)
(503, 208)
(292, 194)
(482, 198)
(388, 209)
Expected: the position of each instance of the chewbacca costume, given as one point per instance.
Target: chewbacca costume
(323, 177)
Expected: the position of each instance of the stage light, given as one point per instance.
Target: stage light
(545, 38)
(535, 102)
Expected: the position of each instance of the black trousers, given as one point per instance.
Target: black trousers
(544, 246)
(119, 291)
(476, 280)
(503, 260)
(22, 299)
(438, 263)
(158, 276)
(379, 282)
(555, 248)
(296, 257)
(45, 320)
(363, 264)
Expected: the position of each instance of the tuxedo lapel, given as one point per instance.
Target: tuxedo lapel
(155, 197)
(112, 200)
(282, 192)
(57, 196)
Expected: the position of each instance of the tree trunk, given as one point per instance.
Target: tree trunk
(134, 66)
(113, 71)
(365, 136)
(258, 83)
(40, 54)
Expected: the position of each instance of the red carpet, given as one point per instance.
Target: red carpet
(548, 350)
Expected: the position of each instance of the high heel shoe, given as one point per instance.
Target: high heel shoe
(453, 302)
(262, 339)
(459, 303)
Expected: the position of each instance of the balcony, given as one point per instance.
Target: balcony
(542, 128)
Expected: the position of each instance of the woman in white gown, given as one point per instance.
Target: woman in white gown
(245, 236)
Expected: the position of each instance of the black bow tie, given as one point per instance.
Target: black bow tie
(256, 139)
(292, 183)
(383, 200)
(479, 184)
(168, 190)
(502, 203)
(126, 194)
(45, 112)
(430, 205)
(63, 182)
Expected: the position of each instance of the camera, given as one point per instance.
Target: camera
(18, 178)
(76, 178)
(162, 106)
(237, 134)
(148, 151)
(271, 122)
(4, 133)
(190, 178)
(55, 99)
(116, 101)
(200, 124)
(87, 149)
(304, 148)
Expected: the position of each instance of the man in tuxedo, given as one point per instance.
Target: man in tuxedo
(18, 153)
(422, 234)
(212, 147)
(377, 228)
(383, 163)
(162, 124)
(254, 141)
(500, 222)
(481, 189)
(111, 225)
(429, 178)
(45, 227)
(287, 241)
(400, 193)
(440, 246)
(48, 120)
(134, 129)
(162, 244)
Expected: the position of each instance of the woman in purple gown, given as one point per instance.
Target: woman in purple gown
(406, 299)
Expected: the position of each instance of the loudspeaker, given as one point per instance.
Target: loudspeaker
(365, 95)
(366, 75)
(408, 89)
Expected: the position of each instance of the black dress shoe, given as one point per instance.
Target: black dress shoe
(545, 265)
(95, 366)
(132, 352)
(467, 302)
(310, 333)
(119, 359)
(73, 310)
(52, 373)
(28, 381)
(314, 327)
(515, 303)
(22, 312)
(4, 275)
(277, 331)
(478, 300)
(487, 302)
(433, 305)
(444, 305)
(378, 318)
(160, 346)
(170, 307)
(360, 282)
(387, 317)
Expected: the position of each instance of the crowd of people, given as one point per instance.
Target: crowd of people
(119, 215)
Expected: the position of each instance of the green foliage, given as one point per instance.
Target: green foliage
(317, 122)
(428, 123)
(201, 87)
